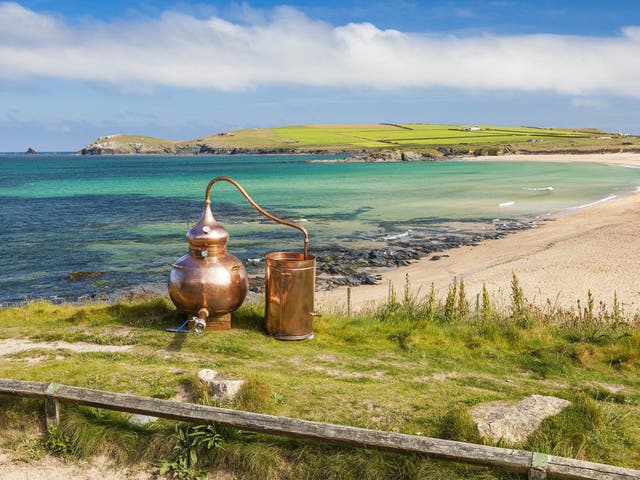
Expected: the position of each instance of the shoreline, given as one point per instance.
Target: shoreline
(623, 158)
(456, 257)
(338, 266)
(557, 263)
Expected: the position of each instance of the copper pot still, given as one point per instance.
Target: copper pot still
(209, 283)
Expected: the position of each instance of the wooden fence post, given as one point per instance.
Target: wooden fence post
(51, 408)
(539, 463)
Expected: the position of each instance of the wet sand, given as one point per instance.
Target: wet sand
(596, 248)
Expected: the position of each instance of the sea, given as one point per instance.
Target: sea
(122, 219)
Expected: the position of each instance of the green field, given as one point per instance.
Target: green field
(391, 136)
(413, 365)
(416, 137)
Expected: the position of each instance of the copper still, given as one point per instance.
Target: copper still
(209, 283)
(290, 285)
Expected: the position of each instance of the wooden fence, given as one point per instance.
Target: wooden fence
(536, 465)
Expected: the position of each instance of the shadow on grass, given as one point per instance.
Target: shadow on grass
(158, 312)
(249, 317)
(177, 342)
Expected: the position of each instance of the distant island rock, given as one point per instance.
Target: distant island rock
(30, 151)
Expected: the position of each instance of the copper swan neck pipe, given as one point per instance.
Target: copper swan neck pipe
(207, 201)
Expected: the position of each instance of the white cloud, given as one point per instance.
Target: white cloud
(287, 48)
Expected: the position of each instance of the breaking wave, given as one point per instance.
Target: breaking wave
(396, 236)
(591, 204)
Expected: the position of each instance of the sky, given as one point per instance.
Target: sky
(72, 71)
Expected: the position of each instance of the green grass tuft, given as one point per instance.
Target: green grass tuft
(457, 424)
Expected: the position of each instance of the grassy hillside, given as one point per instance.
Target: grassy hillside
(387, 136)
(369, 137)
(412, 366)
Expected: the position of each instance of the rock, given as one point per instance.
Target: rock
(30, 151)
(453, 151)
(383, 156)
(207, 375)
(82, 275)
(185, 394)
(225, 389)
(514, 423)
(139, 419)
(218, 388)
(411, 157)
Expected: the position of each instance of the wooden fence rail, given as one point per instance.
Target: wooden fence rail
(537, 465)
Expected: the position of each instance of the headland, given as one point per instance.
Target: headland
(386, 142)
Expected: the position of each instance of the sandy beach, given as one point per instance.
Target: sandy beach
(595, 248)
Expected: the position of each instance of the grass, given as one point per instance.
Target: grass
(417, 137)
(412, 365)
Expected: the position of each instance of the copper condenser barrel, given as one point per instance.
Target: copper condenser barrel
(290, 285)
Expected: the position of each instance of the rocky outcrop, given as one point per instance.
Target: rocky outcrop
(206, 149)
(385, 156)
(30, 151)
(137, 145)
(514, 423)
(124, 145)
(117, 145)
(453, 151)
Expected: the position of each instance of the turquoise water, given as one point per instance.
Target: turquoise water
(126, 216)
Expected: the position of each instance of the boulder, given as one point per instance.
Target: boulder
(411, 157)
(141, 420)
(513, 423)
(219, 389)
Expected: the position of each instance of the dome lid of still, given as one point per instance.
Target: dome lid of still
(207, 232)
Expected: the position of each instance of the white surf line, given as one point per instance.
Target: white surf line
(622, 165)
(397, 236)
(591, 204)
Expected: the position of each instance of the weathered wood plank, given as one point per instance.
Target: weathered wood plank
(22, 388)
(514, 460)
(570, 468)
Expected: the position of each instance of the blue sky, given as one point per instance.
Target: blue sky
(71, 71)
